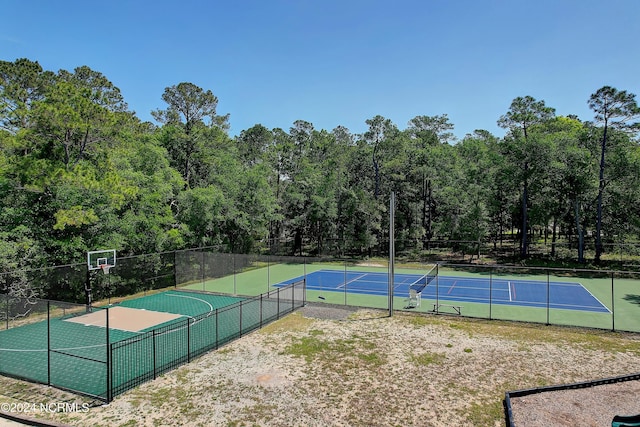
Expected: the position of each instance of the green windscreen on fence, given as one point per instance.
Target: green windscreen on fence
(250, 290)
(70, 347)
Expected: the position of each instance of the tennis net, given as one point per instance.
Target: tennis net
(425, 280)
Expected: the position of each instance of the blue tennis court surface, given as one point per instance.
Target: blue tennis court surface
(526, 293)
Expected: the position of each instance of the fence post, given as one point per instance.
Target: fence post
(240, 317)
(202, 268)
(490, 293)
(345, 282)
(217, 332)
(437, 295)
(153, 343)
(110, 373)
(613, 311)
(109, 364)
(548, 299)
(261, 311)
(392, 252)
(48, 343)
(188, 339)
(175, 269)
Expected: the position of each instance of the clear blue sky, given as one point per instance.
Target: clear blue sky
(340, 62)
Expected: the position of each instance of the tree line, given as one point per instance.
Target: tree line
(80, 171)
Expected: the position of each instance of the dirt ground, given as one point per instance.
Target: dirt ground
(334, 366)
(593, 406)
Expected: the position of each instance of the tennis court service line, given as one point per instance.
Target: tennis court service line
(452, 286)
(512, 291)
(509, 288)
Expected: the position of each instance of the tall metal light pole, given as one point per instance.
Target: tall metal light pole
(392, 249)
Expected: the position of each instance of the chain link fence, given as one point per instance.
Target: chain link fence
(48, 342)
(26, 317)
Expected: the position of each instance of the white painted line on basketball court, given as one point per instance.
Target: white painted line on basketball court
(27, 350)
(197, 299)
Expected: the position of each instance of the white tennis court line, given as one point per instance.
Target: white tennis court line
(594, 297)
(509, 287)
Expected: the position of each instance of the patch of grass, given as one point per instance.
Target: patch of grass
(373, 359)
(159, 396)
(314, 348)
(307, 347)
(428, 358)
(417, 321)
(256, 414)
(420, 319)
(225, 350)
(293, 322)
(342, 346)
(468, 350)
(487, 414)
(182, 375)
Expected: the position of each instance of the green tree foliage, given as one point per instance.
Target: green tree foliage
(309, 201)
(430, 165)
(614, 109)
(191, 125)
(79, 171)
(524, 114)
(253, 144)
(568, 190)
(22, 83)
(477, 163)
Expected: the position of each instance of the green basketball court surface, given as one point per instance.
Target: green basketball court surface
(66, 352)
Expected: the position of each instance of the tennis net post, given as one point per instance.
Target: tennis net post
(431, 275)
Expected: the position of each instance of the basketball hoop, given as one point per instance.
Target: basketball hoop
(103, 260)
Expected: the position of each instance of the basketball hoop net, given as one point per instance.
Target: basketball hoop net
(105, 268)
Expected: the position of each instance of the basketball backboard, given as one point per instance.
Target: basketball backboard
(97, 260)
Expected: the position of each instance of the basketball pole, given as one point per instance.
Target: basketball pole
(392, 250)
(87, 291)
